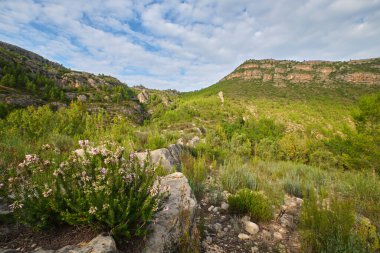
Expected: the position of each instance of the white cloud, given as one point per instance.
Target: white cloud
(189, 44)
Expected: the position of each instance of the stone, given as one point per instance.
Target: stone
(251, 227)
(193, 142)
(168, 158)
(224, 206)
(277, 236)
(166, 228)
(82, 98)
(209, 239)
(221, 97)
(244, 236)
(255, 249)
(218, 226)
(215, 209)
(143, 97)
(210, 208)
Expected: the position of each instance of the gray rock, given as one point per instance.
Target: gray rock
(224, 206)
(143, 97)
(82, 98)
(168, 158)
(218, 227)
(193, 142)
(166, 228)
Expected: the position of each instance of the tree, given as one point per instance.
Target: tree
(8, 80)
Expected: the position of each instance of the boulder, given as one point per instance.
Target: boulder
(251, 227)
(180, 205)
(143, 97)
(193, 142)
(221, 97)
(168, 158)
(82, 98)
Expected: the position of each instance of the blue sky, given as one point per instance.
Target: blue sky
(188, 45)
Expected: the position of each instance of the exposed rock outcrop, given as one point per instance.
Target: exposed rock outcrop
(221, 97)
(364, 72)
(143, 97)
(168, 158)
(166, 229)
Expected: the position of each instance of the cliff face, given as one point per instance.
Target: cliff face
(356, 72)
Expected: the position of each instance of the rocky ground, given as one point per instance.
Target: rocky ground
(224, 232)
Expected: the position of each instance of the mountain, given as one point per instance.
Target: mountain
(29, 79)
(282, 73)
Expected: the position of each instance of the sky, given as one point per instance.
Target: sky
(188, 45)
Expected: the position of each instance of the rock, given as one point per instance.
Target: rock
(193, 142)
(82, 98)
(224, 206)
(218, 226)
(221, 97)
(210, 208)
(168, 158)
(244, 236)
(100, 244)
(251, 227)
(255, 249)
(209, 239)
(215, 209)
(166, 229)
(299, 201)
(143, 97)
(277, 236)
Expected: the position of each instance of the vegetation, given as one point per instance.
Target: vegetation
(255, 204)
(317, 143)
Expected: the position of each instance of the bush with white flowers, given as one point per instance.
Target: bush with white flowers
(96, 186)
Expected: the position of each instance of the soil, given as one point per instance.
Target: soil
(26, 239)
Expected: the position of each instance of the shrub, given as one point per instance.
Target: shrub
(254, 204)
(327, 225)
(94, 186)
(293, 187)
(195, 170)
(235, 175)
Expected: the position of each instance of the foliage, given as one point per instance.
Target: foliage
(253, 203)
(94, 186)
(327, 225)
(196, 171)
(235, 175)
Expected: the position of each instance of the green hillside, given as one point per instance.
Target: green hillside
(268, 132)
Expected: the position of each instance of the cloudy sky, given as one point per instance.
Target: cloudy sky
(187, 45)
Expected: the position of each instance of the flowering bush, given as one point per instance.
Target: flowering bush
(95, 186)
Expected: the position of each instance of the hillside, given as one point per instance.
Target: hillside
(278, 156)
(29, 79)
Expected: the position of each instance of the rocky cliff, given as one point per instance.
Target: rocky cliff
(282, 72)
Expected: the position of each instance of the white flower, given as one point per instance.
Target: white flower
(57, 172)
(16, 205)
(83, 143)
(103, 171)
(1, 185)
(106, 206)
(92, 210)
(47, 193)
(46, 147)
